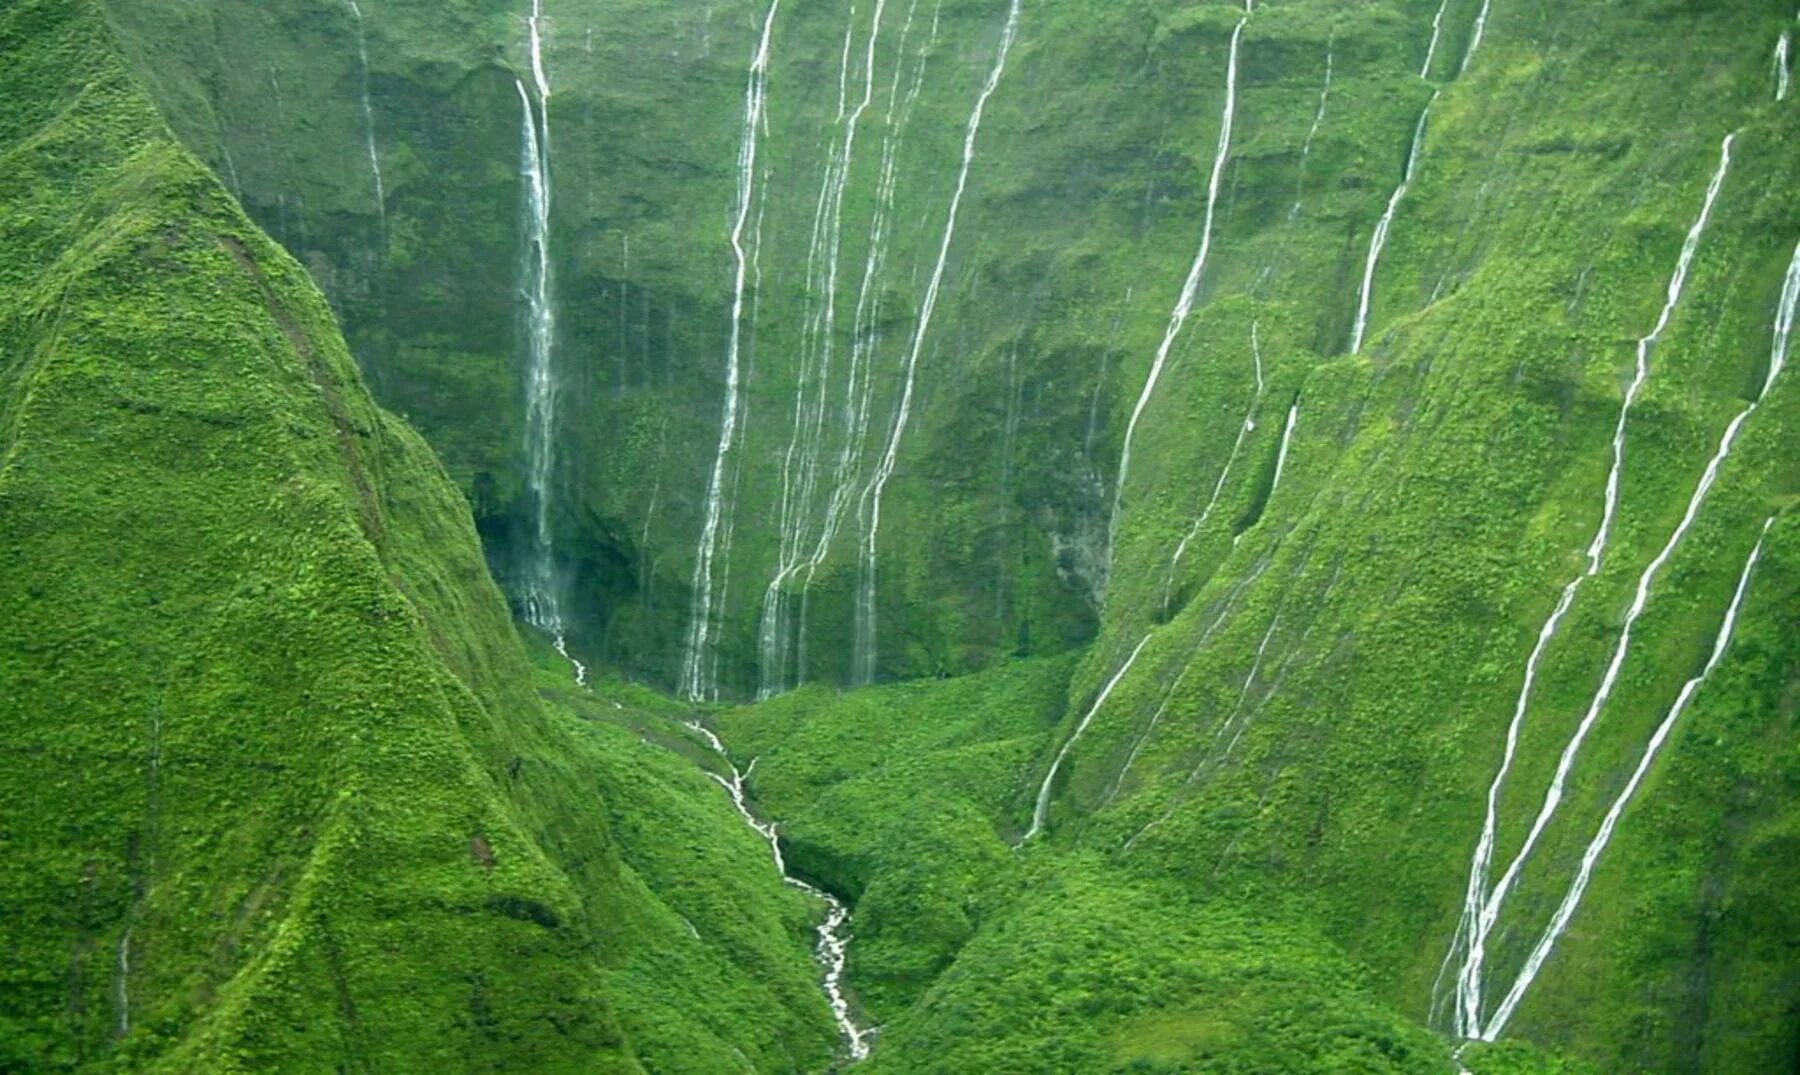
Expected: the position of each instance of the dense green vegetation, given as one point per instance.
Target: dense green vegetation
(279, 791)
(287, 791)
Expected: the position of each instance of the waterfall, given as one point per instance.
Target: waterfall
(1437, 28)
(699, 673)
(1042, 808)
(832, 948)
(1784, 47)
(1185, 303)
(1312, 132)
(1597, 846)
(1378, 240)
(368, 115)
(1287, 440)
(865, 643)
(543, 605)
(1245, 428)
(865, 342)
(800, 463)
(1481, 908)
(1481, 19)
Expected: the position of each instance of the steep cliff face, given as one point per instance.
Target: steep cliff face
(1355, 395)
(279, 791)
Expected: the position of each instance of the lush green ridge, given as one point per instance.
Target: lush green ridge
(1255, 853)
(279, 792)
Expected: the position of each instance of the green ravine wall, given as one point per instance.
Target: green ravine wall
(1253, 855)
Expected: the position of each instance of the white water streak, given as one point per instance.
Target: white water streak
(800, 465)
(1475, 40)
(865, 641)
(1378, 241)
(1437, 28)
(124, 987)
(832, 948)
(1245, 428)
(1481, 912)
(699, 676)
(1597, 846)
(368, 115)
(1287, 441)
(1042, 808)
(1190, 287)
(1784, 48)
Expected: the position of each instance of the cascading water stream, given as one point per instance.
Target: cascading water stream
(800, 465)
(1378, 241)
(1437, 29)
(1190, 287)
(1041, 809)
(1481, 908)
(865, 342)
(368, 115)
(543, 605)
(1597, 846)
(699, 671)
(832, 949)
(1481, 19)
(863, 667)
(1312, 133)
(1244, 430)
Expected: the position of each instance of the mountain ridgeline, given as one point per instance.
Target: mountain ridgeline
(1040, 535)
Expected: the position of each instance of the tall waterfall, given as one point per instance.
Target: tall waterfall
(1378, 241)
(543, 602)
(1184, 304)
(699, 670)
(800, 463)
(1481, 19)
(1784, 62)
(1437, 30)
(368, 116)
(1481, 907)
(863, 665)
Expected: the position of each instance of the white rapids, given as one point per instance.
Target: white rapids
(864, 643)
(1184, 303)
(1481, 907)
(832, 949)
(543, 605)
(699, 665)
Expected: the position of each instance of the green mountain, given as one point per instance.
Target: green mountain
(1240, 537)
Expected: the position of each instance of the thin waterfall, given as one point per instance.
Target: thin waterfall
(1245, 428)
(1784, 48)
(1597, 846)
(865, 641)
(1481, 907)
(1041, 810)
(368, 116)
(699, 672)
(1287, 441)
(1191, 286)
(1437, 29)
(1378, 241)
(833, 946)
(865, 343)
(1481, 19)
(800, 464)
(1312, 133)
(543, 603)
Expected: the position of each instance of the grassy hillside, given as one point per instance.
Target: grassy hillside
(281, 792)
